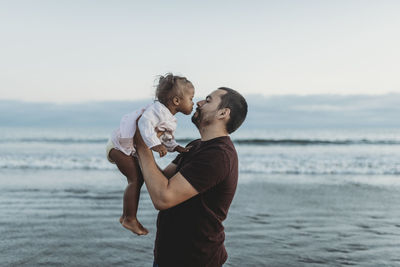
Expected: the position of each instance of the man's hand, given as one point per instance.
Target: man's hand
(181, 149)
(161, 149)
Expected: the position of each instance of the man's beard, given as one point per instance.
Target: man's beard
(196, 119)
(199, 120)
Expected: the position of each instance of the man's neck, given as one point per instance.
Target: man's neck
(212, 131)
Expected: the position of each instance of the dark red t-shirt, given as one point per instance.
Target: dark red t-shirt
(191, 233)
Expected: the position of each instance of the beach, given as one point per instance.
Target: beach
(274, 221)
(304, 198)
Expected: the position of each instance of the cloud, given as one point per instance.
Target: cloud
(289, 111)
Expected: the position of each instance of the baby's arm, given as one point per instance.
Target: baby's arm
(172, 146)
(181, 149)
(161, 149)
(169, 142)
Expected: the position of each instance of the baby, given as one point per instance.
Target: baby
(157, 125)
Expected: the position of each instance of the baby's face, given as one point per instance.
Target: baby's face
(186, 104)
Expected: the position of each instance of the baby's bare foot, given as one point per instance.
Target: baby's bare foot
(134, 225)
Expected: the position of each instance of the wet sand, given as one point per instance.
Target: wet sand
(71, 218)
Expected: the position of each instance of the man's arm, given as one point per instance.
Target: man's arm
(169, 171)
(164, 193)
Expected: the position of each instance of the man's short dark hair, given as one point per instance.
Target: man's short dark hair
(237, 105)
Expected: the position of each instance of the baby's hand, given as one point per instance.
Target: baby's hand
(161, 149)
(159, 133)
(181, 149)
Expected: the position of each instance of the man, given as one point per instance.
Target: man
(194, 192)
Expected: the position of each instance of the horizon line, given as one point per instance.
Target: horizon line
(27, 101)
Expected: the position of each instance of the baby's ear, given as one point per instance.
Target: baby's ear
(176, 100)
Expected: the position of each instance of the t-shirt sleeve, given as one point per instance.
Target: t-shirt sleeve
(177, 159)
(206, 169)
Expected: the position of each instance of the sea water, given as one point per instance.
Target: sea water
(305, 197)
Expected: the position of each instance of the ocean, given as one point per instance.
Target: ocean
(306, 197)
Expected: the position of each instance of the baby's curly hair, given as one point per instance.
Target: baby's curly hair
(169, 86)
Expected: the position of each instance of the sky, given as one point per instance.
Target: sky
(77, 51)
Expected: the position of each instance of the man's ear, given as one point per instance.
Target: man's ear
(224, 113)
(176, 100)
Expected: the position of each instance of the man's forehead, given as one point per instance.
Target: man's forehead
(217, 93)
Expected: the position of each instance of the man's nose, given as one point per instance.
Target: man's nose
(200, 103)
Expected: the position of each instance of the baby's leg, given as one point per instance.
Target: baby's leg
(130, 168)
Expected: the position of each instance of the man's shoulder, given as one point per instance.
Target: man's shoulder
(221, 147)
(194, 142)
(223, 143)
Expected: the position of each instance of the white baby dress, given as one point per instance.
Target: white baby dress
(155, 117)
